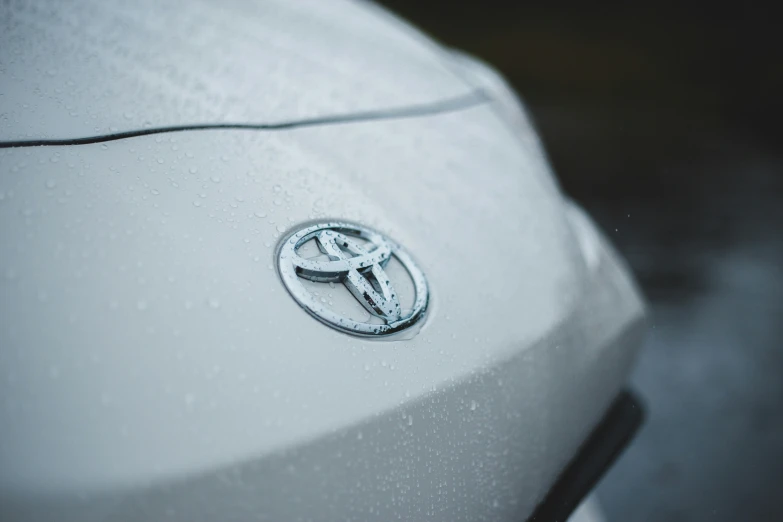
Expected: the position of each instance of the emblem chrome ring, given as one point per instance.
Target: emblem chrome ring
(360, 268)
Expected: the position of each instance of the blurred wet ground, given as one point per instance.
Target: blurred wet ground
(711, 371)
(664, 122)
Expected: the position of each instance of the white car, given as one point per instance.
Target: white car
(288, 261)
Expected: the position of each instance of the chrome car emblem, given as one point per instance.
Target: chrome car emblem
(356, 257)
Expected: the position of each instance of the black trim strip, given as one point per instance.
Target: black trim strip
(595, 457)
(471, 99)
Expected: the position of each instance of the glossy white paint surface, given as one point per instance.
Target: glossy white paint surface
(152, 363)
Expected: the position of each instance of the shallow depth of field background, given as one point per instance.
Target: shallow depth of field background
(664, 121)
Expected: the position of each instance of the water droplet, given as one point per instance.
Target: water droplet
(473, 405)
(50, 184)
(260, 214)
(215, 179)
(141, 305)
(214, 303)
(197, 203)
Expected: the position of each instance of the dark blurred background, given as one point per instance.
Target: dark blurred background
(664, 121)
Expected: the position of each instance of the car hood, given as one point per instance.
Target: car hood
(152, 356)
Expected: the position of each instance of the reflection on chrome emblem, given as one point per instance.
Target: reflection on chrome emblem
(357, 257)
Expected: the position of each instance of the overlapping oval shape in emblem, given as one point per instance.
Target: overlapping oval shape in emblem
(321, 259)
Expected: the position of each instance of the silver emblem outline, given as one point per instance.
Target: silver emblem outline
(352, 272)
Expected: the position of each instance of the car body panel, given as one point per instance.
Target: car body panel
(154, 365)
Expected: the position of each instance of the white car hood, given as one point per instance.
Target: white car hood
(153, 362)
